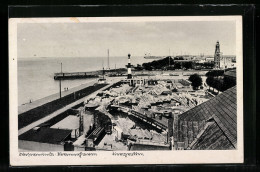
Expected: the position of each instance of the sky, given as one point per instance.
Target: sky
(121, 38)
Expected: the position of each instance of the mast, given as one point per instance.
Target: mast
(60, 78)
(115, 70)
(169, 57)
(103, 73)
(108, 59)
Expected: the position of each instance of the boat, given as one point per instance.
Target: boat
(152, 57)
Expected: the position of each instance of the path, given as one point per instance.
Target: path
(37, 103)
(52, 115)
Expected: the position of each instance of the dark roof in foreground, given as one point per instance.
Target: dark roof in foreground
(222, 109)
(46, 135)
(212, 138)
(231, 73)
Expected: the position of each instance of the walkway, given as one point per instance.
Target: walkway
(37, 103)
(52, 115)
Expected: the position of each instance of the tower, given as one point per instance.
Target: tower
(217, 56)
(129, 73)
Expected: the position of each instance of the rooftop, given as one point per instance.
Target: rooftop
(212, 138)
(46, 135)
(71, 122)
(222, 109)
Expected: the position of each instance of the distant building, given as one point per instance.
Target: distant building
(210, 125)
(134, 82)
(227, 62)
(217, 56)
(152, 82)
(209, 59)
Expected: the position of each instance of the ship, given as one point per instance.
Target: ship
(152, 57)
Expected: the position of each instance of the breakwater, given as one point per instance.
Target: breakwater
(93, 74)
(76, 75)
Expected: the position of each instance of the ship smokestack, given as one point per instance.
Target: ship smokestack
(129, 73)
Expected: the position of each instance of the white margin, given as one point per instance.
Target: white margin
(105, 157)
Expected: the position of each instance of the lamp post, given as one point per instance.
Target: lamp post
(60, 78)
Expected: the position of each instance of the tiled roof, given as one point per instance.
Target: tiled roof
(231, 73)
(212, 138)
(46, 135)
(222, 108)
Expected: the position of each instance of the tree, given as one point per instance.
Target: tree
(138, 67)
(228, 83)
(147, 66)
(177, 66)
(208, 65)
(187, 65)
(218, 83)
(215, 73)
(210, 81)
(158, 64)
(195, 80)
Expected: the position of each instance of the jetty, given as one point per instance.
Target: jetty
(76, 75)
(91, 74)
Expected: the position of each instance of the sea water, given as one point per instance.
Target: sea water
(35, 75)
